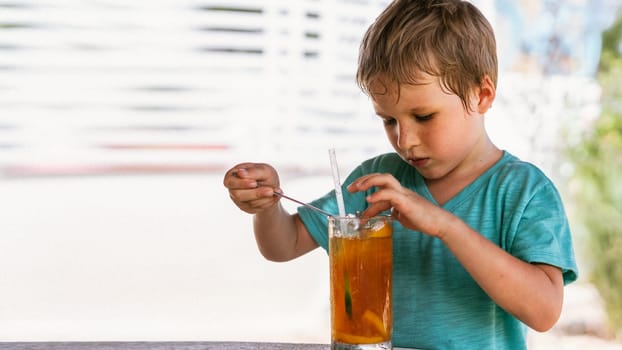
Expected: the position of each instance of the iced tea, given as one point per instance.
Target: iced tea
(360, 254)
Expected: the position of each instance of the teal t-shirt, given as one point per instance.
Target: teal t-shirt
(437, 304)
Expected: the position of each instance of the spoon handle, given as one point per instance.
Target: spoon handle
(303, 203)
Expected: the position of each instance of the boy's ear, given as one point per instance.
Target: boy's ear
(486, 95)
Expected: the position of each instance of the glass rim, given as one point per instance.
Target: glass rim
(347, 218)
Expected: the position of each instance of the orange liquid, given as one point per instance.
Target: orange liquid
(360, 272)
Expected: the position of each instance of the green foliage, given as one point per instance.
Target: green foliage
(610, 55)
(598, 161)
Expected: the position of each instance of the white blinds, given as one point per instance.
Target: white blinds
(100, 86)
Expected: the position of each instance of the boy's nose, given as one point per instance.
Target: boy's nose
(407, 136)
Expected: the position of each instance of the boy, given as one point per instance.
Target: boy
(481, 241)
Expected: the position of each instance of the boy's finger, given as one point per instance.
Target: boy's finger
(375, 209)
(241, 170)
(237, 179)
(254, 194)
(366, 182)
(258, 172)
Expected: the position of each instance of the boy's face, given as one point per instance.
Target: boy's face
(430, 128)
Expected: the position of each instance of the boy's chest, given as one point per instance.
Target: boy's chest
(444, 191)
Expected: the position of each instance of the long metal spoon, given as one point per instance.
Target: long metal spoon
(303, 203)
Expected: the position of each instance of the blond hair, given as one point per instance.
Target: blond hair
(448, 39)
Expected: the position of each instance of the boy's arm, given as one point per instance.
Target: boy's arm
(533, 293)
(281, 236)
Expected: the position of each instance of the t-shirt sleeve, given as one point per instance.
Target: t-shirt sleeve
(543, 234)
(316, 223)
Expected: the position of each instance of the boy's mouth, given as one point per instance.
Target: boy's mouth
(418, 162)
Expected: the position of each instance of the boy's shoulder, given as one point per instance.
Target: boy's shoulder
(516, 175)
(511, 165)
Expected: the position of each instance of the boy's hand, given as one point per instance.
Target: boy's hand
(407, 207)
(252, 185)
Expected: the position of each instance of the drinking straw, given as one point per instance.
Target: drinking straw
(338, 194)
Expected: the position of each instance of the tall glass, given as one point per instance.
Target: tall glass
(361, 265)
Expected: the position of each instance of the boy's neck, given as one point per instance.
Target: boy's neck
(449, 186)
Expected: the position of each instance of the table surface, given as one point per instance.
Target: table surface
(157, 346)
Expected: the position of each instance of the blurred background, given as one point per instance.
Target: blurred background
(118, 120)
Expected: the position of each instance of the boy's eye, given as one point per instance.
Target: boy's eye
(423, 118)
(388, 121)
